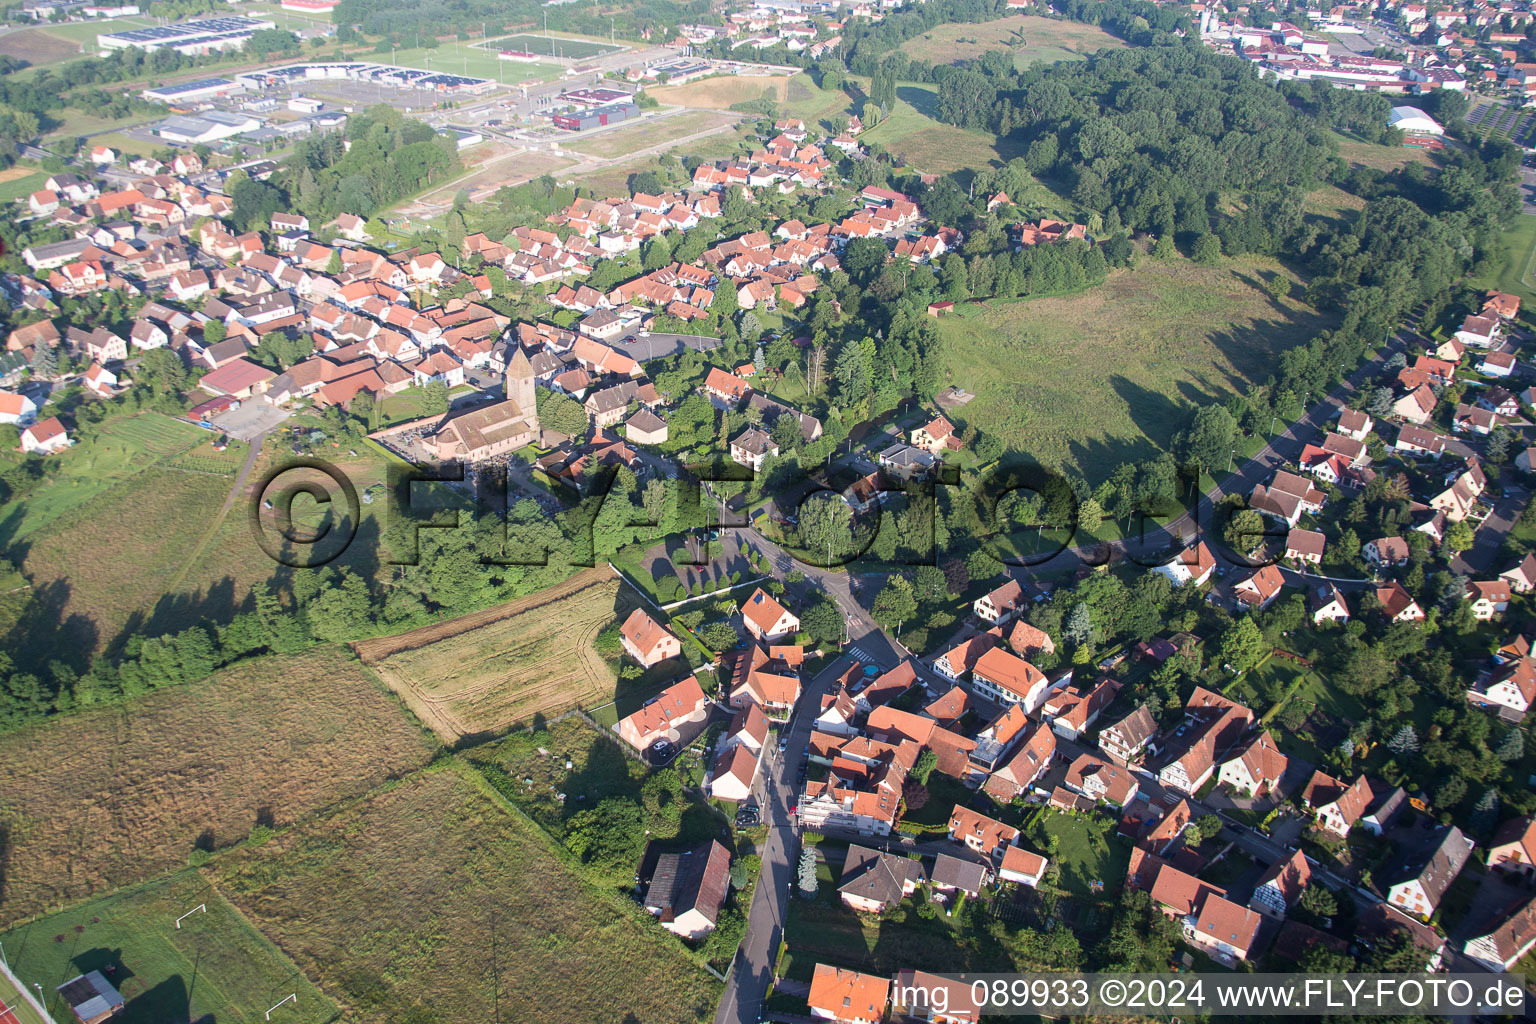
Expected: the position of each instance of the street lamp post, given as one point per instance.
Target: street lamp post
(1230, 460)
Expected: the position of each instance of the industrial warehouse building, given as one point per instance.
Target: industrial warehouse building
(194, 38)
(209, 126)
(192, 92)
(596, 117)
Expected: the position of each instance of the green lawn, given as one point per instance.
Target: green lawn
(1087, 851)
(13, 189)
(913, 135)
(214, 967)
(124, 447)
(464, 59)
(1517, 270)
(1106, 375)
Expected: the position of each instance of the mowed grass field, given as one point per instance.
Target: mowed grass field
(20, 182)
(428, 901)
(466, 59)
(565, 47)
(486, 672)
(913, 136)
(215, 967)
(1091, 379)
(105, 798)
(1516, 272)
(1029, 37)
(650, 131)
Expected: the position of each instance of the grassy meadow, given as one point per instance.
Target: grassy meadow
(110, 796)
(428, 901)
(1029, 37)
(1094, 378)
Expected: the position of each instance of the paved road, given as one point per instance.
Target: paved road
(752, 971)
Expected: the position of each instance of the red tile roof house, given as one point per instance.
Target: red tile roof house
(1281, 886)
(1001, 604)
(1022, 866)
(1225, 929)
(45, 437)
(1255, 768)
(687, 889)
(732, 774)
(1338, 807)
(848, 997)
(981, 833)
(659, 720)
(766, 619)
(1513, 937)
(1513, 848)
(648, 641)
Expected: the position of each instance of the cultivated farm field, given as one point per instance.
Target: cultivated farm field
(430, 901)
(486, 672)
(215, 967)
(1094, 378)
(1028, 37)
(108, 797)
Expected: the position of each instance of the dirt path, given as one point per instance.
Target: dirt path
(218, 520)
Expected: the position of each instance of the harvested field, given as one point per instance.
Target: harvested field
(651, 131)
(486, 672)
(431, 902)
(719, 92)
(214, 968)
(38, 46)
(104, 798)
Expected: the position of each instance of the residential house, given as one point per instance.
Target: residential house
(1102, 781)
(934, 999)
(1385, 551)
(1305, 547)
(1508, 690)
(1326, 603)
(985, 835)
(1255, 768)
(1338, 808)
(45, 437)
(661, 717)
(1192, 565)
(1355, 424)
(732, 774)
(1071, 711)
(648, 641)
(1225, 929)
(1513, 849)
(1521, 578)
(848, 997)
(1259, 589)
(1510, 940)
(1001, 604)
(1416, 406)
(873, 880)
(953, 874)
(1212, 724)
(768, 678)
(1489, 598)
(1007, 679)
(1416, 886)
(936, 437)
(753, 447)
(1380, 925)
(767, 619)
(1022, 866)
(1018, 776)
(688, 889)
(1282, 885)
(17, 408)
(1126, 741)
(1397, 604)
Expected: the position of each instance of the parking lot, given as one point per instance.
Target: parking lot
(251, 420)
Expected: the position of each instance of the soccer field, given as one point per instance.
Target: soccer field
(553, 46)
